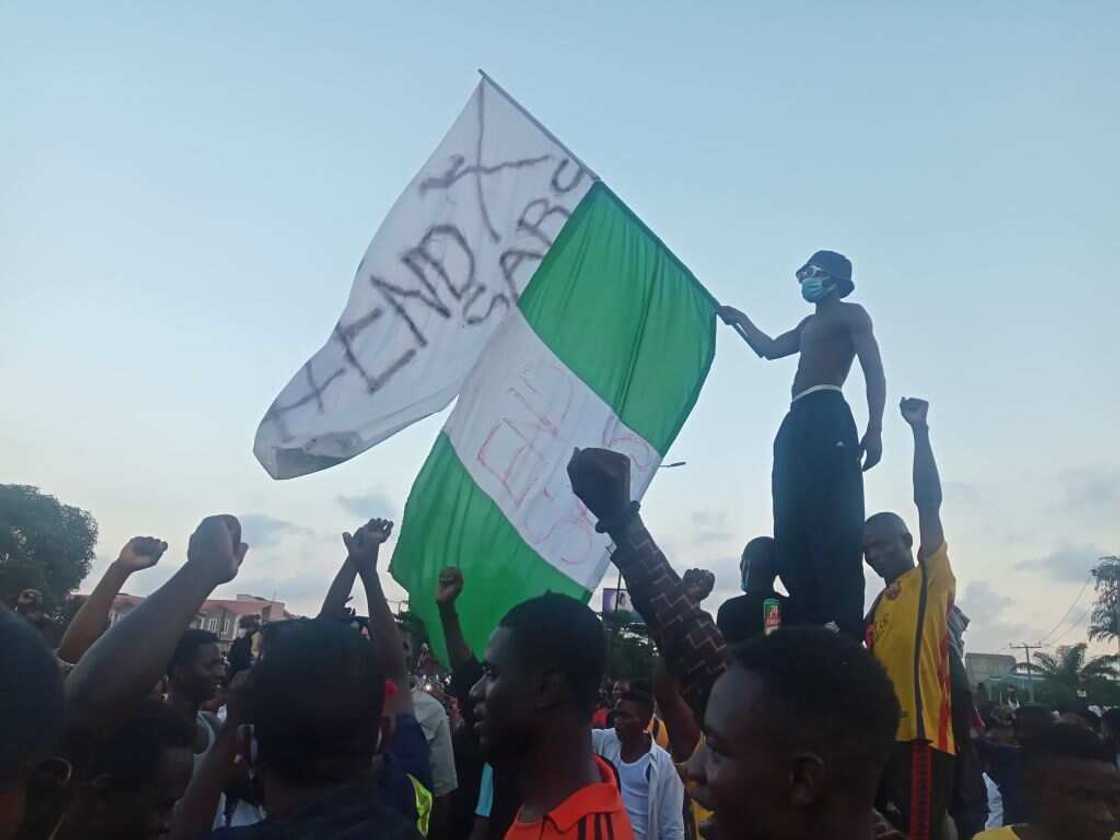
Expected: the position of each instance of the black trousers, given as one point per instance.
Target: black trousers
(818, 511)
(916, 789)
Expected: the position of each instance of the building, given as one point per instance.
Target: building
(219, 616)
(982, 667)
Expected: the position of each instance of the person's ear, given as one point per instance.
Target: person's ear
(808, 777)
(908, 538)
(551, 690)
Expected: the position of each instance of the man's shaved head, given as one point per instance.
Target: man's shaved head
(888, 545)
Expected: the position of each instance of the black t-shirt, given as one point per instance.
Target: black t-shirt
(468, 765)
(349, 813)
(741, 618)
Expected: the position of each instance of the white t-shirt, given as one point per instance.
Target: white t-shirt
(244, 813)
(634, 780)
(432, 718)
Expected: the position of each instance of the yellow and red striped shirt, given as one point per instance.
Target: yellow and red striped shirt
(908, 632)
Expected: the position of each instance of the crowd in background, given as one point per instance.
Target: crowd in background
(754, 724)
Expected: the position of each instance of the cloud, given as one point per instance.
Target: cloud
(994, 620)
(261, 530)
(1095, 488)
(982, 602)
(710, 526)
(1068, 563)
(368, 505)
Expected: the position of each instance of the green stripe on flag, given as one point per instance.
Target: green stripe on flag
(615, 305)
(449, 521)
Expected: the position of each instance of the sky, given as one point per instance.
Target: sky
(185, 193)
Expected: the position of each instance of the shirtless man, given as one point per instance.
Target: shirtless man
(817, 480)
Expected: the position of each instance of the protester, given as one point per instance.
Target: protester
(1072, 780)
(817, 484)
(92, 618)
(533, 707)
(744, 616)
(433, 720)
(29, 605)
(194, 674)
(698, 584)
(31, 714)
(129, 788)
(243, 651)
(1004, 762)
(908, 632)
(651, 789)
(484, 805)
(406, 775)
(691, 646)
(314, 747)
(798, 732)
(112, 734)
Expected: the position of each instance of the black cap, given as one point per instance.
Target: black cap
(838, 266)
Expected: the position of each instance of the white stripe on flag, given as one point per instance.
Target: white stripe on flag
(518, 417)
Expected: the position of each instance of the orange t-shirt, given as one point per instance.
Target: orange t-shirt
(594, 812)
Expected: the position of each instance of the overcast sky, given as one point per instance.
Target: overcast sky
(185, 194)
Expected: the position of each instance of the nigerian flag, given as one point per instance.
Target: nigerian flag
(608, 346)
(507, 276)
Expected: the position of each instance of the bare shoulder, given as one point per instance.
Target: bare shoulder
(855, 315)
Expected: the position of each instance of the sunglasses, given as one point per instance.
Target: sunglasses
(810, 272)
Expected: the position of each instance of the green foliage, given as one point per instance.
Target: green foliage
(1105, 621)
(1068, 671)
(631, 653)
(44, 545)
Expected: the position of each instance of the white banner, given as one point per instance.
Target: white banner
(441, 274)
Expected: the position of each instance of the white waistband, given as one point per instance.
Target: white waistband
(815, 389)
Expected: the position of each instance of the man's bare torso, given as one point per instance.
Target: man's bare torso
(826, 347)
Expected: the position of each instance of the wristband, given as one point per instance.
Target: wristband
(615, 523)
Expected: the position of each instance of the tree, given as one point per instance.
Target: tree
(1068, 672)
(631, 653)
(44, 545)
(1105, 621)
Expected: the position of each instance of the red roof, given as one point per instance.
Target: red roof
(238, 606)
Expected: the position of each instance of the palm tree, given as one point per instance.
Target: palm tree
(1068, 671)
(1105, 621)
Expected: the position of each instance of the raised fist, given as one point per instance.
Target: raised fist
(450, 586)
(141, 553)
(914, 411)
(216, 547)
(601, 480)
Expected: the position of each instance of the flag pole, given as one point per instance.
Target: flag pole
(536, 122)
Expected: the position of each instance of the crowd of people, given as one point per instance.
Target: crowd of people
(783, 718)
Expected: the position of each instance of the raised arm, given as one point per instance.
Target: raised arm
(693, 648)
(766, 347)
(219, 770)
(680, 723)
(448, 590)
(334, 604)
(363, 548)
(927, 482)
(867, 349)
(124, 664)
(92, 619)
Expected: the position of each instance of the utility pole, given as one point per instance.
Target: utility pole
(1030, 673)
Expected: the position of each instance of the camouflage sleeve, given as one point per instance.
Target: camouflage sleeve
(689, 641)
